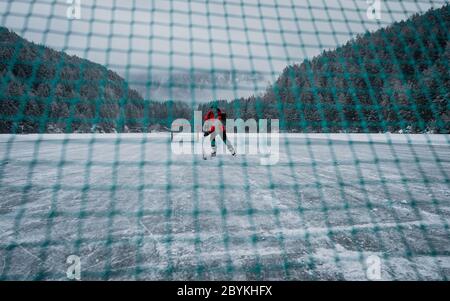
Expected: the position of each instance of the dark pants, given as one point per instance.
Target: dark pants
(223, 135)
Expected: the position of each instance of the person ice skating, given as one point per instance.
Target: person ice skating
(215, 125)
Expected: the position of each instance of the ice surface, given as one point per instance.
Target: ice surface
(131, 209)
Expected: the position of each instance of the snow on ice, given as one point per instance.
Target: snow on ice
(131, 209)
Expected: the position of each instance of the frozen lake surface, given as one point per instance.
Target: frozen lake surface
(131, 209)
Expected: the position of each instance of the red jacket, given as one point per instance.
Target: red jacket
(211, 116)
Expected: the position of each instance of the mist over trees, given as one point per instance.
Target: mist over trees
(394, 79)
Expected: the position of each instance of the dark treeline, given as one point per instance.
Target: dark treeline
(394, 79)
(43, 90)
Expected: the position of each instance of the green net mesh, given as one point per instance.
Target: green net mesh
(94, 94)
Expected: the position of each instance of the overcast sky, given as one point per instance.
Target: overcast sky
(163, 35)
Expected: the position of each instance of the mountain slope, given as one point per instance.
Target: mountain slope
(43, 90)
(394, 79)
